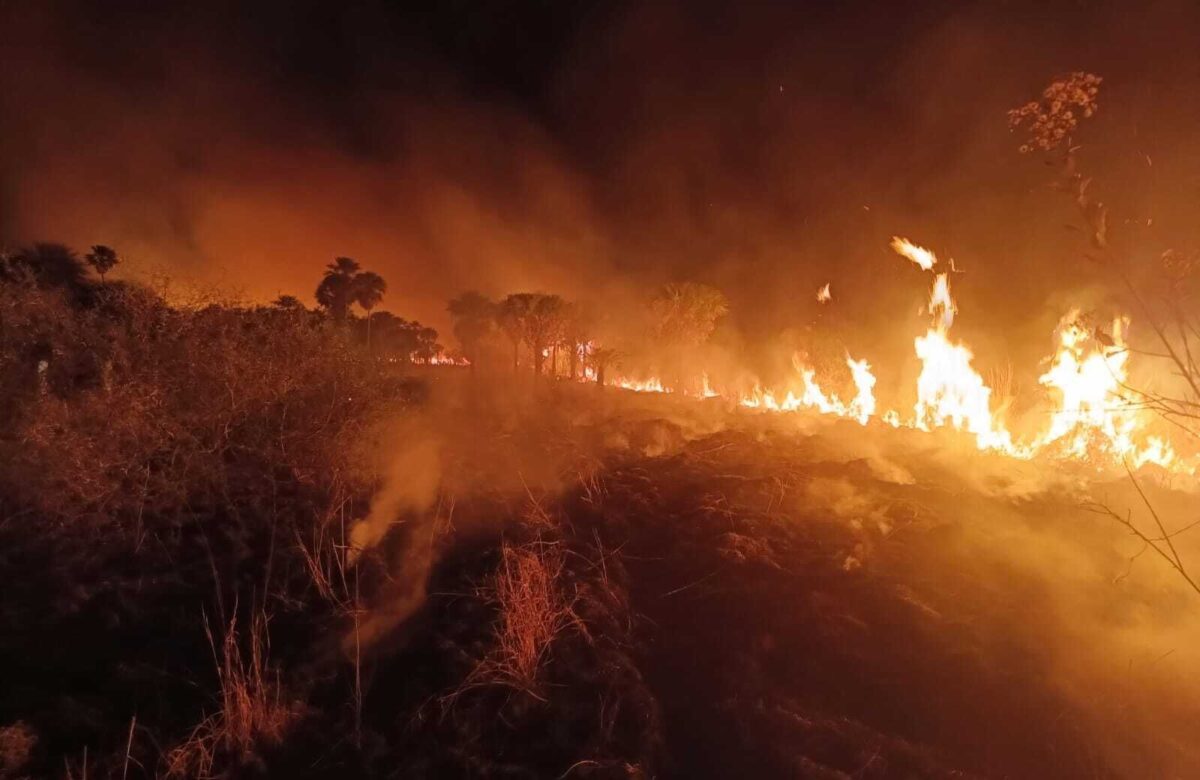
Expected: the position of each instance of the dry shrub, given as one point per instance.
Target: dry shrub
(141, 406)
(253, 713)
(534, 611)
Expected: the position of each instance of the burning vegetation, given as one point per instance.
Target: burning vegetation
(613, 527)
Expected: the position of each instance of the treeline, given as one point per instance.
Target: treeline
(557, 337)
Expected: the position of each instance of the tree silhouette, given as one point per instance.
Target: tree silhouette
(537, 319)
(51, 265)
(336, 291)
(102, 259)
(404, 340)
(474, 318)
(368, 288)
(602, 358)
(510, 318)
(576, 329)
(288, 303)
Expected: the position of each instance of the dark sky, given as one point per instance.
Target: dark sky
(597, 148)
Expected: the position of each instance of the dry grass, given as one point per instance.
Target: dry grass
(252, 714)
(535, 610)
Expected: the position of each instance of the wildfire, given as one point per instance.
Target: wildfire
(811, 396)
(1091, 418)
(823, 294)
(442, 359)
(642, 386)
(1093, 415)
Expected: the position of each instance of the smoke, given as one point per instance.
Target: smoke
(409, 487)
(1058, 596)
(768, 151)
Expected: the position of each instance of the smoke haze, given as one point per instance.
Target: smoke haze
(583, 148)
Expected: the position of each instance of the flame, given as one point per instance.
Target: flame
(950, 392)
(863, 405)
(1093, 415)
(811, 396)
(918, 254)
(823, 294)
(438, 359)
(940, 303)
(652, 385)
(1091, 419)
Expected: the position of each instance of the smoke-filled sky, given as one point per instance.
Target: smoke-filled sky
(583, 147)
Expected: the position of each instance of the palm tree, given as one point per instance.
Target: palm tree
(102, 259)
(536, 319)
(510, 316)
(336, 291)
(368, 289)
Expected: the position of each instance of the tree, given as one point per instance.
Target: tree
(102, 259)
(576, 329)
(602, 358)
(288, 303)
(509, 318)
(368, 289)
(51, 265)
(404, 340)
(474, 318)
(535, 319)
(336, 291)
(686, 314)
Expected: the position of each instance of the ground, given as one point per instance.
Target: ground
(609, 584)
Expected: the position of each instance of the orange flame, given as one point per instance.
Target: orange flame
(1091, 421)
(918, 254)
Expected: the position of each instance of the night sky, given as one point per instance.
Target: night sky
(598, 147)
